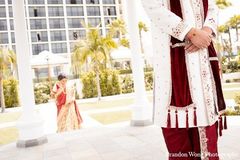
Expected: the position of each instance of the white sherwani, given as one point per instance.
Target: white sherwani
(202, 87)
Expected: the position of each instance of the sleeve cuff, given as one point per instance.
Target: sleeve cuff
(214, 30)
(181, 30)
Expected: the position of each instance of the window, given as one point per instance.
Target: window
(93, 11)
(38, 24)
(56, 23)
(11, 24)
(55, 11)
(92, 1)
(35, 1)
(55, 1)
(2, 1)
(58, 35)
(4, 38)
(13, 37)
(75, 11)
(2, 12)
(109, 20)
(94, 21)
(59, 48)
(75, 23)
(10, 12)
(108, 1)
(37, 12)
(3, 25)
(9, 1)
(77, 34)
(74, 2)
(110, 11)
(37, 48)
(39, 36)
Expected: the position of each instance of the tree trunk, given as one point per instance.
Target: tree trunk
(98, 85)
(2, 95)
(237, 33)
(230, 39)
(141, 43)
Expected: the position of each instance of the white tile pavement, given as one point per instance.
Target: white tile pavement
(107, 143)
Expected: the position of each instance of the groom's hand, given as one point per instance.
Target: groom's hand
(199, 38)
(190, 48)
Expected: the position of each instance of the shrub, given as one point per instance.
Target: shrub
(127, 84)
(41, 92)
(148, 80)
(232, 67)
(10, 90)
(89, 85)
(237, 98)
(109, 84)
(228, 81)
(231, 112)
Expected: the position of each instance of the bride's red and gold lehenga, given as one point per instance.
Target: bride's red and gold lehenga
(68, 115)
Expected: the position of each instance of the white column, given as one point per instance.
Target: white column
(30, 124)
(142, 108)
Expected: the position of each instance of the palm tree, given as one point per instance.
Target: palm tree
(226, 46)
(97, 49)
(7, 58)
(117, 28)
(234, 22)
(142, 27)
(222, 4)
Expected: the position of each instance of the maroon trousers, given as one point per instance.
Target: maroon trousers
(188, 144)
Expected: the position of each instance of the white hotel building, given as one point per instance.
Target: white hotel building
(55, 25)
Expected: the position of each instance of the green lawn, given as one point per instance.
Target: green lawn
(9, 117)
(231, 85)
(108, 104)
(230, 94)
(112, 117)
(8, 135)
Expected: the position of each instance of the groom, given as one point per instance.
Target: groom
(188, 94)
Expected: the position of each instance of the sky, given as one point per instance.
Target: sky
(225, 14)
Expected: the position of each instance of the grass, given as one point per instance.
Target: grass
(112, 117)
(230, 94)
(105, 104)
(9, 117)
(8, 135)
(231, 85)
(108, 104)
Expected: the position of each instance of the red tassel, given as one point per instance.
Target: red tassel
(169, 119)
(187, 124)
(176, 114)
(195, 117)
(225, 122)
(220, 126)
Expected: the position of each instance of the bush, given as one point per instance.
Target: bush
(148, 80)
(10, 90)
(109, 84)
(237, 98)
(228, 81)
(232, 67)
(41, 92)
(127, 84)
(231, 112)
(89, 85)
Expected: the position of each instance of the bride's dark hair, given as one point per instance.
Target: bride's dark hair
(61, 76)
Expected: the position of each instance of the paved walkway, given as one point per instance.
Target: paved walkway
(121, 142)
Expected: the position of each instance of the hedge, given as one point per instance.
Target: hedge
(41, 92)
(10, 90)
(109, 84)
